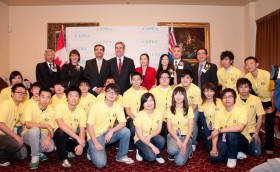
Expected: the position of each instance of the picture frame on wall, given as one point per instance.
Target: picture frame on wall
(190, 37)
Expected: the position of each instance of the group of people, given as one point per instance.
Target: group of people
(76, 109)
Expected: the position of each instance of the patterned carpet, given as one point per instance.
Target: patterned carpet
(198, 163)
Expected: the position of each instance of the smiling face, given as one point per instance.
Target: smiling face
(16, 80)
(177, 53)
(251, 65)
(201, 56)
(228, 99)
(74, 58)
(49, 56)
(209, 94)
(110, 95)
(99, 51)
(164, 61)
(19, 94)
(149, 104)
(186, 81)
(179, 97)
(136, 81)
(226, 62)
(144, 60)
(119, 50)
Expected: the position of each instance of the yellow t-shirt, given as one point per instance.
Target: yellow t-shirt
(132, 99)
(254, 107)
(87, 102)
(74, 119)
(262, 85)
(10, 113)
(163, 100)
(210, 110)
(27, 102)
(33, 113)
(102, 117)
(179, 121)
(226, 119)
(148, 124)
(7, 92)
(193, 94)
(55, 100)
(101, 97)
(229, 79)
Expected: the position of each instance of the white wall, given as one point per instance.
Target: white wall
(4, 40)
(264, 7)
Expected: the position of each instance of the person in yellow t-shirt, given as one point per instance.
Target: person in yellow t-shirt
(228, 74)
(71, 122)
(131, 103)
(228, 135)
(106, 125)
(208, 109)
(87, 100)
(11, 144)
(163, 94)
(39, 120)
(264, 88)
(35, 89)
(148, 124)
(180, 121)
(59, 96)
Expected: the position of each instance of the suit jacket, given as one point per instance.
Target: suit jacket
(71, 75)
(91, 72)
(122, 80)
(44, 75)
(150, 77)
(186, 66)
(209, 76)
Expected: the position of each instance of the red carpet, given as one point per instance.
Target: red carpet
(198, 163)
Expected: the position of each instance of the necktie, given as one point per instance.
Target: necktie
(50, 68)
(120, 65)
(98, 66)
(176, 64)
(199, 74)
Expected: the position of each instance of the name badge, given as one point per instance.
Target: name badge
(180, 67)
(210, 126)
(224, 137)
(178, 133)
(203, 70)
(15, 130)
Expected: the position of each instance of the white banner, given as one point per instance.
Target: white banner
(152, 40)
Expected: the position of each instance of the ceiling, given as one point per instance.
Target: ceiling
(118, 2)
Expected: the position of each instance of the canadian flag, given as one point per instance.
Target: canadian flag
(61, 57)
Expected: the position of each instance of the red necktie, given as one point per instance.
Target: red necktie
(120, 65)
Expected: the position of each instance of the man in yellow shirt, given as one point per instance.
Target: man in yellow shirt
(59, 96)
(106, 125)
(71, 121)
(264, 88)
(131, 104)
(87, 100)
(11, 145)
(39, 120)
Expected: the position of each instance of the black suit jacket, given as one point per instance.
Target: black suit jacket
(209, 76)
(91, 72)
(44, 75)
(122, 80)
(186, 66)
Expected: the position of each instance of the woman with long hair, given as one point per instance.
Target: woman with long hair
(165, 64)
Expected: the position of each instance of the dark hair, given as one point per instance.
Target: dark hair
(136, 74)
(74, 52)
(84, 80)
(145, 54)
(229, 90)
(113, 87)
(245, 81)
(144, 99)
(251, 58)
(185, 101)
(160, 68)
(164, 72)
(37, 84)
(185, 73)
(201, 49)
(109, 77)
(61, 82)
(73, 88)
(14, 74)
(17, 86)
(228, 54)
(209, 86)
(99, 45)
(45, 89)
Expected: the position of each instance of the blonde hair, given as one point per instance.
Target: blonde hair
(120, 42)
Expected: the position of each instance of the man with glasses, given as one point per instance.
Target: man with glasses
(11, 145)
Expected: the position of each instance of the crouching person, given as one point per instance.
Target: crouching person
(39, 120)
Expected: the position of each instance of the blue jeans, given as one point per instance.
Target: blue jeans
(205, 132)
(146, 152)
(255, 148)
(277, 94)
(173, 149)
(99, 157)
(131, 127)
(195, 128)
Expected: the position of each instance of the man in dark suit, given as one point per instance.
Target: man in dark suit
(47, 72)
(121, 67)
(204, 71)
(178, 63)
(97, 69)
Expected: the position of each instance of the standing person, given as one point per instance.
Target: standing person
(121, 67)
(178, 64)
(263, 87)
(228, 135)
(148, 125)
(71, 122)
(11, 144)
(165, 64)
(208, 109)
(39, 119)
(228, 74)
(180, 121)
(148, 73)
(204, 71)
(87, 100)
(72, 71)
(97, 69)
(35, 89)
(106, 125)
(47, 72)
(59, 96)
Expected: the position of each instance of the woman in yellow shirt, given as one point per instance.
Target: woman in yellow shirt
(180, 121)
(148, 124)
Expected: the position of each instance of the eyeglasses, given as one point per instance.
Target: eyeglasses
(164, 78)
(112, 93)
(20, 93)
(228, 97)
(200, 53)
